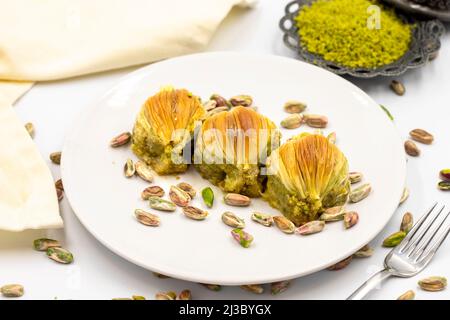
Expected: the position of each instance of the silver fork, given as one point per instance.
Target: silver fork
(413, 254)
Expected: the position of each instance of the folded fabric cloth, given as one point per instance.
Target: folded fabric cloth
(55, 39)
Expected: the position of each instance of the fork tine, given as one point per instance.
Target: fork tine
(435, 247)
(414, 229)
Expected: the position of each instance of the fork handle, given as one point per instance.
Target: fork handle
(370, 284)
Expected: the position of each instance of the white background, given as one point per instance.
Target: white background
(99, 274)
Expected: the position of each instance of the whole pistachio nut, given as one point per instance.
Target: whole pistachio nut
(129, 168)
(152, 191)
(44, 243)
(394, 239)
(195, 213)
(294, 106)
(405, 195)
(445, 174)
(30, 129)
(433, 283)
(310, 228)
(138, 298)
(178, 196)
(408, 295)
(316, 121)
(160, 204)
(444, 185)
(241, 100)
(284, 224)
(209, 105)
(216, 110)
(60, 255)
(421, 136)
(364, 252)
(147, 218)
(332, 137)
(360, 193)
(333, 214)
(143, 171)
(245, 239)
(411, 148)
(212, 287)
(262, 218)
(186, 187)
(121, 139)
(55, 157)
(355, 177)
(185, 295)
(407, 222)
(350, 219)
(237, 200)
(341, 264)
(232, 220)
(208, 196)
(292, 121)
(279, 286)
(253, 288)
(398, 87)
(12, 290)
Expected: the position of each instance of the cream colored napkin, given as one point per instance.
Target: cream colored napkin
(54, 39)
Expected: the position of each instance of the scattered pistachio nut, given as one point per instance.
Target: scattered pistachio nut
(138, 298)
(55, 157)
(237, 200)
(244, 238)
(333, 214)
(408, 295)
(444, 185)
(407, 222)
(433, 284)
(262, 218)
(216, 111)
(186, 187)
(232, 220)
(147, 218)
(208, 196)
(294, 106)
(129, 168)
(160, 204)
(30, 129)
(332, 137)
(445, 174)
(421, 136)
(209, 105)
(185, 295)
(279, 286)
(364, 252)
(241, 100)
(316, 121)
(143, 171)
(405, 195)
(44, 243)
(341, 264)
(59, 194)
(350, 219)
(152, 191)
(310, 228)
(284, 224)
(398, 87)
(412, 149)
(121, 139)
(60, 255)
(212, 287)
(59, 184)
(394, 239)
(166, 295)
(220, 101)
(195, 213)
(178, 196)
(12, 290)
(355, 177)
(360, 193)
(253, 288)
(292, 121)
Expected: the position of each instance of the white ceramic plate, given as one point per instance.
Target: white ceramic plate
(204, 251)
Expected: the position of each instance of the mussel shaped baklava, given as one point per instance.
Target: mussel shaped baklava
(232, 148)
(306, 175)
(164, 129)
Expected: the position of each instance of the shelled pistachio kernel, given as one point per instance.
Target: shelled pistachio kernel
(253, 288)
(262, 218)
(30, 129)
(195, 213)
(129, 168)
(143, 171)
(241, 100)
(433, 283)
(152, 191)
(55, 157)
(185, 295)
(160, 204)
(121, 139)
(315, 120)
(279, 286)
(208, 196)
(407, 222)
(350, 219)
(398, 87)
(12, 290)
(421, 136)
(44, 243)
(360, 193)
(412, 149)
(147, 218)
(60, 255)
(294, 106)
(170, 295)
(284, 224)
(341, 264)
(394, 239)
(244, 238)
(408, 295)
(178, 196)
(232, 220)
(355, 177)
(310, 228)
(138, 297)
(364, 252)
(212, 287)
(237, 200)
(292, 121)
(186, 187)
(444, 185)
(405, 195)
(220, 101)
(333, 214)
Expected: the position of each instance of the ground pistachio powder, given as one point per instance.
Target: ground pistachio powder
(344, 32)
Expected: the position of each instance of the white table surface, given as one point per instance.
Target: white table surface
(97, 273)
